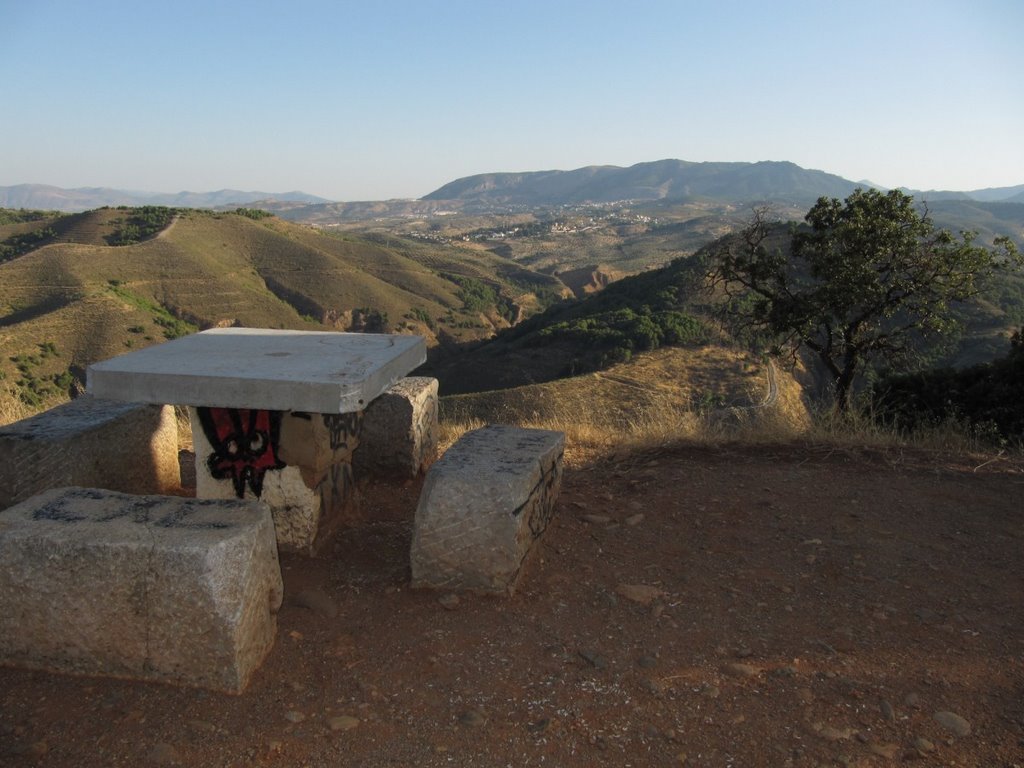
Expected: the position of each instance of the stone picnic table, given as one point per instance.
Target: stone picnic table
(275, 414)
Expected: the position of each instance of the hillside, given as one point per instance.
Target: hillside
(68, 297)
(667, 393)
(84, 300)
(635, 314)
(668, 306)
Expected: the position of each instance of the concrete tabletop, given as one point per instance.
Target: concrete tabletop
(315, 371)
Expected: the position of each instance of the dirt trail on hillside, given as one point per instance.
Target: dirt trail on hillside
(167, 230)
(769, 606)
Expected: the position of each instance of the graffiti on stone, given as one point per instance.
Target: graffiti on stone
(337, 487)
(245, 445)
(68, 509)
(343, 429)
(539, 508)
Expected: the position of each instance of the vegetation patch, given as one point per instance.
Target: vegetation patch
(252, 213)
(33, 388)
(419, 313)
(173, 327)
(16, 245)
(478, 296)
(612, 337)
(635, 314)
(141, 224)
(370, 320)
(987, 398)
(22, 215)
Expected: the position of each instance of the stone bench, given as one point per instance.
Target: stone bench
(160, 588)
(130, 447)
(483, 505)
(399, 434)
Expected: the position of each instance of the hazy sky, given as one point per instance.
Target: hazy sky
(385, 98)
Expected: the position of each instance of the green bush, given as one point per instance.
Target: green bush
(418, 313)
(16, 245)
(174, 327)
(141, 224)
(252, 213)
(987, 397)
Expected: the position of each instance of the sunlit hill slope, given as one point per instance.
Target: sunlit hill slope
(68, 297)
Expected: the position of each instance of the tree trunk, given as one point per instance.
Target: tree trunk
(844, 388)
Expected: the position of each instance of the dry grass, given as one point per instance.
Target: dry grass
(604, 423)
(661, 398)
(13, 409)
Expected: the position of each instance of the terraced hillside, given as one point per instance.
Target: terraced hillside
(73, 299)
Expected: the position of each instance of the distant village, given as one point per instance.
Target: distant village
(581, 219)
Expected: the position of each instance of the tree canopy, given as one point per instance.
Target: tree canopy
(861, 281)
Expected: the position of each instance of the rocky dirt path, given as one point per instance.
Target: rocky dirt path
(777, 606)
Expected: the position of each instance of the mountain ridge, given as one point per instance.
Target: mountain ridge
(676, 179)
(658, 180)
(51, 198)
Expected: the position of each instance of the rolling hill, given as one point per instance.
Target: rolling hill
(75, 299)
(668, 306)
(69, 296)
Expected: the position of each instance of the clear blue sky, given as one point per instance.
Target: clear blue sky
(386, 98)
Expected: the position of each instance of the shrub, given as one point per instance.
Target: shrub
(986, 397)
(141, 224)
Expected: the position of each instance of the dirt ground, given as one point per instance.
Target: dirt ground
(738, 606)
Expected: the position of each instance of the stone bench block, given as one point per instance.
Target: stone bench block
(483, 505)
(300, 464)
(399, 435)
(159, 588)
(92, 442)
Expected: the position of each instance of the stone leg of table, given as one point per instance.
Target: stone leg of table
(300, 464)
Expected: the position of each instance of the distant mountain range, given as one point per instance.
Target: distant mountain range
(662, 180)
(47, 198)
(988, 195)
(676, 179)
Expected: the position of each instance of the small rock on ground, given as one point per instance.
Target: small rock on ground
(450, 601)
(593, 658)
(342, 722)
(953, 722)
(640, 593)
(472, 718)
(739, 669)
(923, 746)
(888, 751)
(888, 712)
(164, 754)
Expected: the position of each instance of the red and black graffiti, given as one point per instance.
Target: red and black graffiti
(245, 444)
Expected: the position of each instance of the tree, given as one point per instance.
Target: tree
(862, 281)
